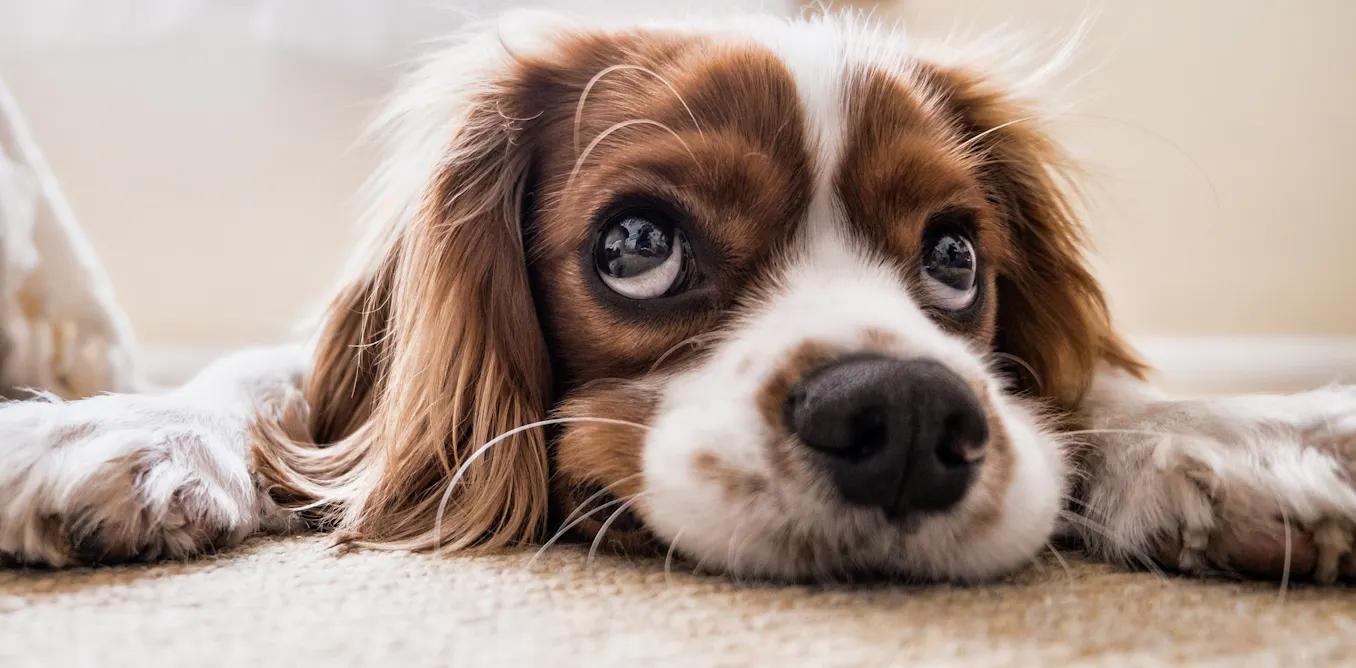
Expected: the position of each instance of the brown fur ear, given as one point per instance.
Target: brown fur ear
(431, 354)
(1051, 311)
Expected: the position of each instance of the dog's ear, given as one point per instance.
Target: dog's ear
(435, 350)
(1052, 314)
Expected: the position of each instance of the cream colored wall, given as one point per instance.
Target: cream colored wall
(1220, 137)
(210, 149)
(222, 209)
(217, 178)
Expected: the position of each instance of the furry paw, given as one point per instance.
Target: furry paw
(123, 477)
(1260, 486)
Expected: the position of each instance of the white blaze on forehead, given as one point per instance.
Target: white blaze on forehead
(816, 57)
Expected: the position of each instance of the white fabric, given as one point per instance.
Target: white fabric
(61, 328)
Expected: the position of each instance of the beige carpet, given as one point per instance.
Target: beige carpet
(292, 602)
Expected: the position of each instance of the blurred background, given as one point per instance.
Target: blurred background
(209, 148)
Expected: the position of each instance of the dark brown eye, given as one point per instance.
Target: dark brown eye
(642, 256)
(949, 271)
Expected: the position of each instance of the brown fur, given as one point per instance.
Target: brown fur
(1052, 314)
(435, 353)
(478, 315)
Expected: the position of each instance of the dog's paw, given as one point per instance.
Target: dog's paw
(122, 477)
(1260, 486)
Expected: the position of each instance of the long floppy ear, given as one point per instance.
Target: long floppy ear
(435, 349)
(1051, 311)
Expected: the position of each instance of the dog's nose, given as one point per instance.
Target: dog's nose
(899, 435)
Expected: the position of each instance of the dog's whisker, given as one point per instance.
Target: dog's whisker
(565, 529)
(1285, 569)
(602, 531)
(572, 521)
(1068, 572)
(1120, 543)
(668, 557)
(579, 163)
(1159, 136)
(696, 339)
(1132, 432)
(1035, 377)
(480, 452)
(964, 148)
(583, 504)
(588, 88)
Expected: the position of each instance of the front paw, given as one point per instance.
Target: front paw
(1256, 486)
(116, 478)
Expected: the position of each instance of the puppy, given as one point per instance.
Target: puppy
(791, 299)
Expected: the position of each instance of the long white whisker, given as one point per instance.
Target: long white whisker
(969, 143)
(1285, 569)
(1110, 535)
(571, 522)
(1130, 432)
(668, 557)
(583, 504)
(479, 452)
(566, 529)
(1165, 139)
(1040, 387)
(1062, 563)
(579, 164)
(588, 88)
(598, 540)
(694, 339)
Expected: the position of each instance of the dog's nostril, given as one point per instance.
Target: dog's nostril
(899, 435)
(964, 440)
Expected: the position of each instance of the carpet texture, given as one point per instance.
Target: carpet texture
(293, 602)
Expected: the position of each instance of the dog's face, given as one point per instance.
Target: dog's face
(765, 278)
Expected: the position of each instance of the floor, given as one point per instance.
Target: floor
(295, 602)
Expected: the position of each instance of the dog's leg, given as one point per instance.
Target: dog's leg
(1260, 485)
(142, 476)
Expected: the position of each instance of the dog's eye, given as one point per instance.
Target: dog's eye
(949, 271)
(642, 256)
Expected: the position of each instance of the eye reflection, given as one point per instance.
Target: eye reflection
(949, 271)
(642, 256)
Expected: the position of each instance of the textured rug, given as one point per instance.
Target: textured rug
(294, 602)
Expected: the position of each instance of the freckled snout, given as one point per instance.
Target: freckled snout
(903, 436)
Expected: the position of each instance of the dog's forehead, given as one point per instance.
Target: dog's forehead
(811, 98)
(882, 144)
(816, 63)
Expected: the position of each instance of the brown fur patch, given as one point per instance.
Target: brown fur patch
(603, 456)
(738, 485)
(484, 312)
(1051, 311)
(740, 180)
(804, 359)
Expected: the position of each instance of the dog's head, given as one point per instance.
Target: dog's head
(766, 279)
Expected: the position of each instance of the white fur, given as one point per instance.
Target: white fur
(167, 474)
(149, 475)
(831, 294)
(1185, 468)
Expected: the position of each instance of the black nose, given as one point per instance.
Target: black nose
(899, 435)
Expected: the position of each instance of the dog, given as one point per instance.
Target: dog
(790, 299)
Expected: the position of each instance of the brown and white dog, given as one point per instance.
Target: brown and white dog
(792, 299)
